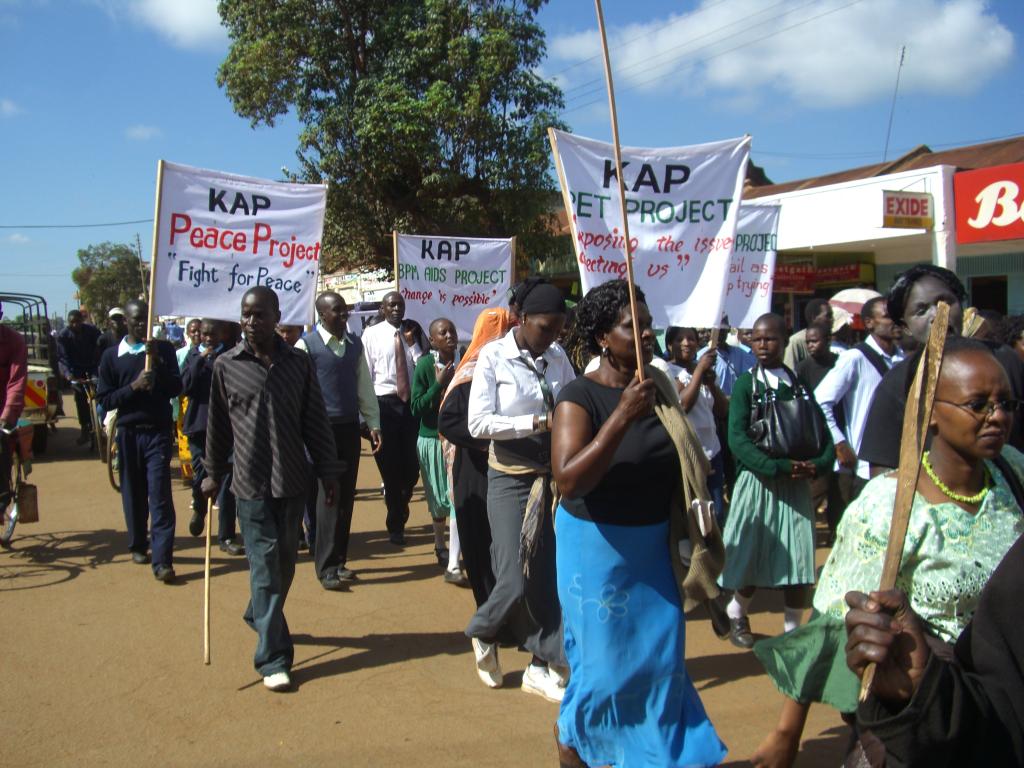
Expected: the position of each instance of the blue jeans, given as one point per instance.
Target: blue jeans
(145, 457)
(270, 528)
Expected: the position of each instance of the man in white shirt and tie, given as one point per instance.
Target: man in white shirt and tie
(851, 384)
(392, 348)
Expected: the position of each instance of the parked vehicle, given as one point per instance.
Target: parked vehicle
(26, 313)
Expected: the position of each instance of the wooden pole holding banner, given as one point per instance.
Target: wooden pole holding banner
(206, 585)
(152, 263)
(394, 243)
(622, 193)
(918, 413)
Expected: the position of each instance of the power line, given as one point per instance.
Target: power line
(587, 86)
(75, 226)
(632, 40)
(722, 53)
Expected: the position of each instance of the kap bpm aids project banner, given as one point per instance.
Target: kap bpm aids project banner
(682, 204)
(748, 292)
(218, 235)
(453, 277)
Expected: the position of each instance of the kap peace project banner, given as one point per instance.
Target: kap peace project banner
(218, 235)
(682, 204)
(453, 277)
(748, 293)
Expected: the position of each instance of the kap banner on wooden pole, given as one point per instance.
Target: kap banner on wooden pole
(217, 234)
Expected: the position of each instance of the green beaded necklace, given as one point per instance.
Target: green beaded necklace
(975, 499)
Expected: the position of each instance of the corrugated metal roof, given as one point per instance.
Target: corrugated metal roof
(963, 158)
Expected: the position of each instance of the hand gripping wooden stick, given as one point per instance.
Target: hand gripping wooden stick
(206, 584)
(915, 430)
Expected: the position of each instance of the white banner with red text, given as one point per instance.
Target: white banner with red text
(452, 277)
(682, 204)
(219, 234)
(748, 293)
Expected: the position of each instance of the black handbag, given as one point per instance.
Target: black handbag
(786, 429)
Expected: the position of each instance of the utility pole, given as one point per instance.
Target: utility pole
(892, 109)
(142, 265)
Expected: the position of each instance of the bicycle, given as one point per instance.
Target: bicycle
(112, 458)
(88, 385)
(21, 505)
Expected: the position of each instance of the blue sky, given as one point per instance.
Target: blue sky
(94, 92)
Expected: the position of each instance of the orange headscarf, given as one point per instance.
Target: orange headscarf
(490, 324)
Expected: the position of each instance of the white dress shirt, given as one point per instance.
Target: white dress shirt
(379, 348)
(852, 382)
(506, 394)
(702, 416)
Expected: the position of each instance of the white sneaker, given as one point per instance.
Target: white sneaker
(487, 666)
(277, 682)
(537, 680)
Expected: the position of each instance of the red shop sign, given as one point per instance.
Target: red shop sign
(989, 203)
(794, 278)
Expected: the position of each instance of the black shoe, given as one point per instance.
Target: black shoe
(197, 523)
(398, 539)
(739, 633)
(84, 438)
(140, 558)
(302, 543)
(346, 574)
(164, 573)
(331, 582)
(441, 553)
(719, 619)
(232, 547)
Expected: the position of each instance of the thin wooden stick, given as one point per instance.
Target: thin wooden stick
(152, 264)
(915, 430)
(206, 584)
(622, 193)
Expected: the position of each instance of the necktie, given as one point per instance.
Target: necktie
(401, 368)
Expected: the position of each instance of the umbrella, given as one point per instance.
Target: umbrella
(852, 299)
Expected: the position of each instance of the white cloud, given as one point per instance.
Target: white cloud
(141, 132)
(17, 239)
(185, 23)
(743, 48)
(8, 108)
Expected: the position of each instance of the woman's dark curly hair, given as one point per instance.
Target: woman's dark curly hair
(1011, 329)
(600, 310)
(896, 299)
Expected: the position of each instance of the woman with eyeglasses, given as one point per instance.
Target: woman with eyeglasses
(964, 518)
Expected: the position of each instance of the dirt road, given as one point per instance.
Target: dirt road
(102, 665)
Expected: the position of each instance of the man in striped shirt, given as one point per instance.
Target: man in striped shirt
(266, 405)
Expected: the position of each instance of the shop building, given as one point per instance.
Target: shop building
(962, 209)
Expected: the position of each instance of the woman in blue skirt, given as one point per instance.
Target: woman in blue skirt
(629, 701)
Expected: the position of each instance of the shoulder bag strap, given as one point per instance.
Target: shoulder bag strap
(873, 357)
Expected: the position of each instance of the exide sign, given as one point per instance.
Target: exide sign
(989, 203)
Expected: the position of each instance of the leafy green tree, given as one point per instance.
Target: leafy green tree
(424, 116)
(109, 275)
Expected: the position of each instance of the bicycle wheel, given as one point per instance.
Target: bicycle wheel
(98, 439)
(113, 466)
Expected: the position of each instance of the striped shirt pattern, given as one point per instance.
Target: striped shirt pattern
(270, 417)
